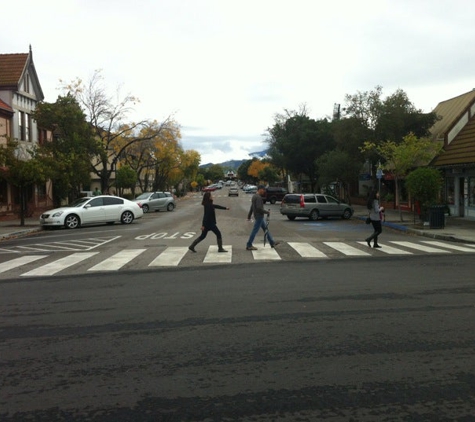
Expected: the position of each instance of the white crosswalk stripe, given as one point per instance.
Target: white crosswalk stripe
(59, 265)
(265, 253)
(174, 256)
(448, 246)
(306, 250)
(419, 247)
(18, 262)
(215, 257)
(170, 257)
(118, 260)
(389, 249)
(346, 249)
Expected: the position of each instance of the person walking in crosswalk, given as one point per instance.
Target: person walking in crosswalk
(257, 208)
(375, 216)
(209, 222)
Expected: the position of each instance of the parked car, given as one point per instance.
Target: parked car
(274, 194)
(156, 201)
(92, 210)
(314, 206)
(233, 191)
(210, 188)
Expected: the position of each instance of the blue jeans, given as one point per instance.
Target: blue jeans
(259, 223)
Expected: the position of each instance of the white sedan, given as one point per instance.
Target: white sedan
(95, 210)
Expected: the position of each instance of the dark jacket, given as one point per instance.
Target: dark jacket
(257, 207)
(209, 217)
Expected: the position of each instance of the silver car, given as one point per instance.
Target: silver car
(314, 206)
(156, 201)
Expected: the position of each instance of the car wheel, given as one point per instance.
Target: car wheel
(272, 200)
(346, 214)
(313, 215)
(127, 217)
(145, 209)
(72, 221)
(291, 217)
(170, 207)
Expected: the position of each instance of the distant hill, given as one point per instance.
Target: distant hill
(234, 164)
(227, 165)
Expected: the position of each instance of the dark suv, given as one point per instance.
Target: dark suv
(274, 194)
(314, 206)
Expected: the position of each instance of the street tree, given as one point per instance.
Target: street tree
(125, 178)
(400, 158)
(424, 185)
(68, 155)
(21, 168)
(299, 141)
(341, 167)
(108, 118)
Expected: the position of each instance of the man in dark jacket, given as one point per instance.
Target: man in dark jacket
(257, 208)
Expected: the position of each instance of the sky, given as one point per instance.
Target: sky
(223, 69)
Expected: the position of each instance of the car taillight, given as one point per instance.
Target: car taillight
(302, 202)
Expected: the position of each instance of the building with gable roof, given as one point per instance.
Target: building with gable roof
(456, 129)
(20, 92)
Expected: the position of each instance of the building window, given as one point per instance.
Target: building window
(21, 126)
(24, 126)
(27, 127)
(450, 190)
(27, 83)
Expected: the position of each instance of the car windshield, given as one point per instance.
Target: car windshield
(143, 196)
(79, 202)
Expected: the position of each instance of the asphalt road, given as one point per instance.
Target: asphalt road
(337, 340)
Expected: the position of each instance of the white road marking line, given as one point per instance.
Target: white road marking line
(60, 264)
(449, 246)
(117, 261)
(389, 249)
(50, 245)
(170, 257)
(18, 262)
(215, 257)
(306, 250)
(346, 249)
(418, 247)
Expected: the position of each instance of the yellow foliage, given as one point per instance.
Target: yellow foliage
(256, 167)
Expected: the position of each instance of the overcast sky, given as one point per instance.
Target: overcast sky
(224, 68)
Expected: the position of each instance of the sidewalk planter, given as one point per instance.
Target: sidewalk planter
(437, 216)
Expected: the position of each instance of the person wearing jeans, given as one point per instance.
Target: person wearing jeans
(257, 208)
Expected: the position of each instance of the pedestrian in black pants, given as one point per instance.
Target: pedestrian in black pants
(209, 222)
(375, 217)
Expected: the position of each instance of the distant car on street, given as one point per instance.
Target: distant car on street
(210, 188)
(314, 206)
(250, 188)
(233, 191)
(156, 201)
(92, 210)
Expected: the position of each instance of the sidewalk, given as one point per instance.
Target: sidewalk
(456, 229)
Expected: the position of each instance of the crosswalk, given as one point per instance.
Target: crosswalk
(38, 265)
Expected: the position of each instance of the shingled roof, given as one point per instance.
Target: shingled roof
(12, 67)
(457, 130)
(5, 107)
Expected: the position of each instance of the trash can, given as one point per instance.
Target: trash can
(437, 216)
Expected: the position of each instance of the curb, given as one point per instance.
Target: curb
(19, 233)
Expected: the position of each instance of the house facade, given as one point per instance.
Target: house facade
(20, 92)
(456, 129)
